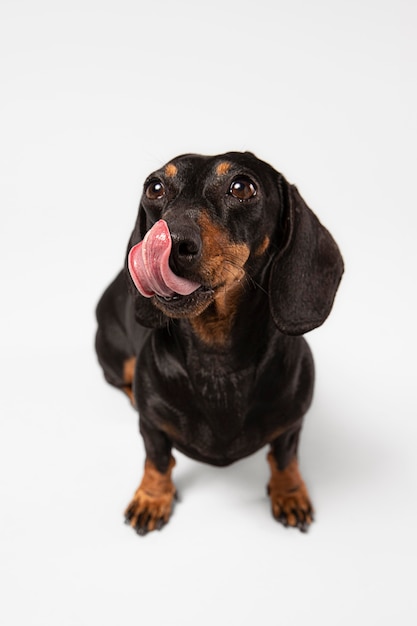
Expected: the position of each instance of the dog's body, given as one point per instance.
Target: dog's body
(226, 267)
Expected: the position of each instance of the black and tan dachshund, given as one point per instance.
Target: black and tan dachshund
(225, 269)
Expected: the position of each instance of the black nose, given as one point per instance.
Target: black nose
(186, 250)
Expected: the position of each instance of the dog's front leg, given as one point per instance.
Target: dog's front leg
(152, 504)
(290, 501)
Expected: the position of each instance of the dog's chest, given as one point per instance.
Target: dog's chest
(222, 392)
(204, 402)
(215, 416)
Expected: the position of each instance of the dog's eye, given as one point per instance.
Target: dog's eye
(242, 188)
(155, 190)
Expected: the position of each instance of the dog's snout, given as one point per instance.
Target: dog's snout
(186, 249)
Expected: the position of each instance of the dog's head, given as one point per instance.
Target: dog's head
(208, 226)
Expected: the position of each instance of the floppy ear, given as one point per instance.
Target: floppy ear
(306, 272)
(146, 313)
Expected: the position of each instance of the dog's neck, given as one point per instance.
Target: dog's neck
(225, 321)
(213, 326)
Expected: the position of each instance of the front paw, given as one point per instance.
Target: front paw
(152, 504)
(292, 509)
(290, 502)
(146, 512)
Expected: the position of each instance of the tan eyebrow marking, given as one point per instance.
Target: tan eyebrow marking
(171, 170)
(223, 168)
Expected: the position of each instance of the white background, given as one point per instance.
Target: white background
(96, 94)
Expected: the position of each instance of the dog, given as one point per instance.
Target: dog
(226, 269)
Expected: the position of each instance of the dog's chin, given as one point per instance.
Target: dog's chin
(178, 306)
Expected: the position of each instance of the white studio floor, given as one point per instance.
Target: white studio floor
(96, 95)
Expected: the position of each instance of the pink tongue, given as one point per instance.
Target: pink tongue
(148, 264)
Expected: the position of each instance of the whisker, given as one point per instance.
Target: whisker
(246, 278)
(258, 285)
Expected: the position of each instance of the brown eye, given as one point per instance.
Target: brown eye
(242, 188)
(155, 190)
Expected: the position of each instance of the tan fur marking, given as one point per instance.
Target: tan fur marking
(128, 375)
(223, 267)
(171, 170)
(128, 391)
(153, 498)
(214, 324)
(129, 370)
(262, 248)
(223, 168)
(288, 493)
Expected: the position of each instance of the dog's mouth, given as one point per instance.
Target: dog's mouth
(178, 305)
(148, 263)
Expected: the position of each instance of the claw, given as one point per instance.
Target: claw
(141, 531)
